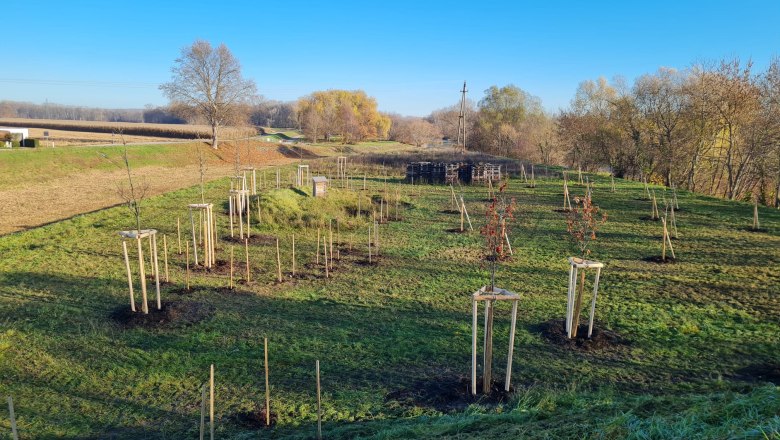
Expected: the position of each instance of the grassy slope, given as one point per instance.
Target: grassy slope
(692, 325)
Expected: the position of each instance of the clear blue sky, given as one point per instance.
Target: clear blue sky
(411, 55)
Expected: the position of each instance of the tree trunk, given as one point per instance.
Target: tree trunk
(214, 139)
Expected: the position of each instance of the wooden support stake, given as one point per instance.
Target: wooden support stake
(487, 362)
(319, 403)
(267, 386)
(330, 230)
(471, 228)
(278, 262)
(187, 277)
(325, 255)
(293, 254)
(12, 417)
(317, 254)
(246, 253)
(129, 276)
(511, 347)
(756, 224)
(369, 243)
(153, 247)
(165, 257)
(230, 210)
(474, 347)
(211, 403)
(194, 238)
(142, 274)
(578, 306)
(178, 234)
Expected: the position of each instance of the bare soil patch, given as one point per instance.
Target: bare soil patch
(172, 314)
(554, 331)
(763, 372)
(659, 260)
(449, 393)
(255, 419)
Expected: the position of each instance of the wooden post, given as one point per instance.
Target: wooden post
(318, 247)
(230, 284)
(267, 387)
(487, 362)
(178, 234)
(319, 402)
(756, 224)
(142, 273)
(246, 253)
(663, 243)
(248, 219)
(12, 416)
(612, 185)
(129, 276)
(202, 411)
(330, 244)
(465, 211)
(278, 262)
(369, 243)
(211, 403)
(165, 257)
(376, 238)
(293, 254)
(578, 306)
(187, 249)
(364, 182)
(153, 239)
(474, 347)
(511, 346)
(462, 218)
(239, 212)
(325, 255)
(230, 210)
(593, 304)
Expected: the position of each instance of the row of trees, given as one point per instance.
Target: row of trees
(712, 128)
(350, 115)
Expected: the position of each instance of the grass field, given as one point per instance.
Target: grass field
(698, 355)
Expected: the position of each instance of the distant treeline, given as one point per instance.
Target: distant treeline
(266, 113)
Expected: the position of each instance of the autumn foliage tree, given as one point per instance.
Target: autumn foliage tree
(350, 115)
(499, 215)
(583, 222)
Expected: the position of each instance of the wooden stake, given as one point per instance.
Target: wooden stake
(369, 243)
(153, 246)
(508, 379)
(465, 211)
(317, 254)
(293, 254)
(267, 387)
(231, 209)
(12, 415)
(187, 277)
(330, 229)
(756, 224)
(178, 234)
(248, 220)
(142, 273)
(211, 403)
(319, 402)
(578, 306)
(325, 255)
(487, 361)
(129, 276)
(246, 253)
(278, 262)
(474, 347)
(165, 257)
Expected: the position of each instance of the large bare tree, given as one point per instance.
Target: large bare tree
(207, 81)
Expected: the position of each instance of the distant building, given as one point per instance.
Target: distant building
(24, 132)
(320, 186)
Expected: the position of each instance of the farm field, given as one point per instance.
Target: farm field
(42, 185)
(65, 132)
(693, 348)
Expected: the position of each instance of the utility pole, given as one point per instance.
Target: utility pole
(462, 119)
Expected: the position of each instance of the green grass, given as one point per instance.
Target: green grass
(692, 326)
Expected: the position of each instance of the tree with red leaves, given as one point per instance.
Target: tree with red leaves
(499, 215)
(583, 222)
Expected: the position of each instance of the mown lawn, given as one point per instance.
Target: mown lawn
(701, 336)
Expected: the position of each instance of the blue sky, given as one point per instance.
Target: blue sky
(411, 55)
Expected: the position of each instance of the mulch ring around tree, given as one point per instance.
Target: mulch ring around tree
(764, 372)
(554, 331)
(253, 239)
(647, 218)
(659, 260)
(561, 210)
(449, 211)
(173, 313)
(451, 393)
(457, 230)
(255, 419)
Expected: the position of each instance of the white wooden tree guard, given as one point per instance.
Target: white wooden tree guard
(238, 205)
(342, 167)
(574, 302)
(206, 227)
(151, 236)
(250, 180)
(303, 176)
(238, 182)
(490, 298)
(566, 197)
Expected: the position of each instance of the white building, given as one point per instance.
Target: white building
(23, 131)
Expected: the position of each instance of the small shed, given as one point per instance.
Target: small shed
(319, 186)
